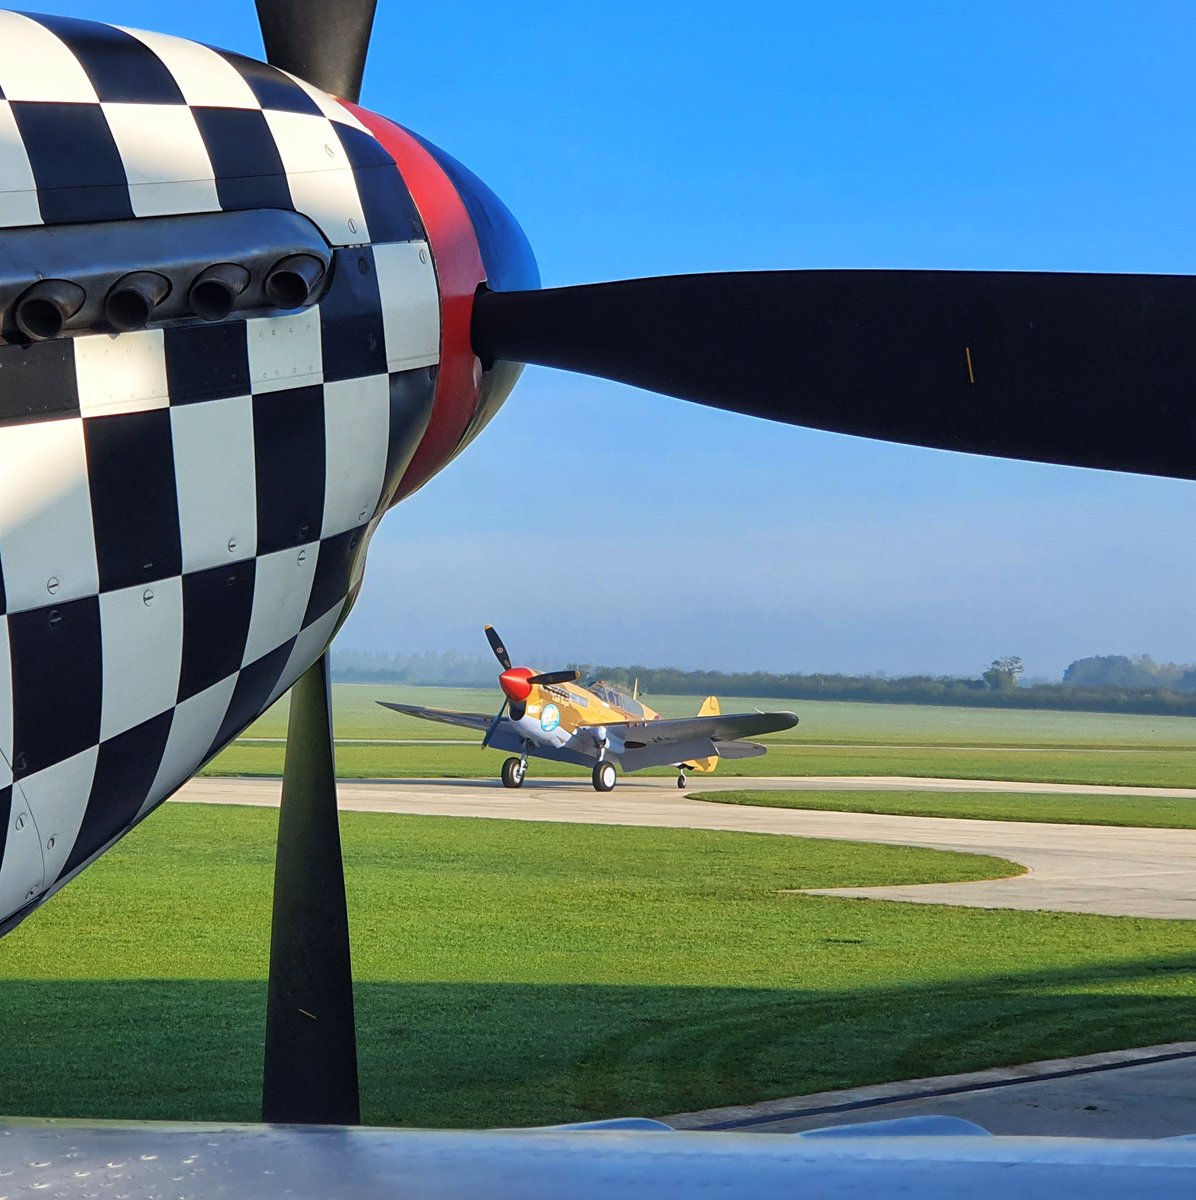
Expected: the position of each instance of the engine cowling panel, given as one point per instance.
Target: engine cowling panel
(185, 508)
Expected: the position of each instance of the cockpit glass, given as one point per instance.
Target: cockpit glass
(615, 698)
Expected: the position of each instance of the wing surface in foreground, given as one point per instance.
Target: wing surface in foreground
(934, 1158)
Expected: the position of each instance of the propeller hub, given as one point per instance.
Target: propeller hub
(515, 685)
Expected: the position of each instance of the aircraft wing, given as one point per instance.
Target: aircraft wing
(667, 731)
(932, 1157)
(446, 716)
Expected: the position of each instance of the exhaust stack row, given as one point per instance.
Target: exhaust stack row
(145, 271)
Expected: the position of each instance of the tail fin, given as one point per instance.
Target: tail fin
(709, 708)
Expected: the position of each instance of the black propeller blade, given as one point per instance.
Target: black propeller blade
(494, 723)
(554, 677)
(500, 651)
(1085, 370)
(320, 41)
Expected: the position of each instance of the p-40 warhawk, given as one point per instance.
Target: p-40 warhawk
(599, 726)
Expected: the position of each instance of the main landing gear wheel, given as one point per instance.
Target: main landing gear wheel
(513, 772)
(604, 777)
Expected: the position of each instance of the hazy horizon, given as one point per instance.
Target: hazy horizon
(344, 655)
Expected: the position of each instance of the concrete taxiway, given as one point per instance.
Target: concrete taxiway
(1070, 868)
(1143, 1093)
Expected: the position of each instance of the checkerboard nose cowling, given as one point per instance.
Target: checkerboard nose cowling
(184, 514)
(185, 508)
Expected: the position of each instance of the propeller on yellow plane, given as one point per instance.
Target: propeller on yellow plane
(517, 682)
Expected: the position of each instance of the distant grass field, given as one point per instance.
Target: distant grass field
(359, 716)
(513, 972)
(1152, 812)
(833, 739)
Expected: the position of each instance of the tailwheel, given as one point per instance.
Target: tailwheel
(681, 779)
(604, 777)
(513, 771)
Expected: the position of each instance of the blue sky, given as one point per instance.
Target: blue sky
(635, 139)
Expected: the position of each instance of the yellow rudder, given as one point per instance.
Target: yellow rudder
(709, 708)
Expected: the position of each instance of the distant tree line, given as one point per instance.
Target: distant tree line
(428, 669)
(998, 687)
(1118, 671)
(1103, 683)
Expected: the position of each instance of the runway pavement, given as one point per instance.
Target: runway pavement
(1071, 868)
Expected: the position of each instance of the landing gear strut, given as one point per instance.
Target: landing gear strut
(604, 777)
(513, 771)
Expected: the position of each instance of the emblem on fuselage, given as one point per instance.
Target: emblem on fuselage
(550, 718)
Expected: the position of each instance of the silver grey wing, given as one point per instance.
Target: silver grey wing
(730, 727)
(640, 744)
(935, 1158)
(446, 716)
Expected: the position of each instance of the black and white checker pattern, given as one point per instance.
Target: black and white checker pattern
(184, 512)
(103, 124)
(168, 573)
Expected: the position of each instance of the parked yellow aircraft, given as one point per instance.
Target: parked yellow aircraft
(599, 725)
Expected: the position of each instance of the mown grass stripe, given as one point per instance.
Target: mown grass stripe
(521, 973)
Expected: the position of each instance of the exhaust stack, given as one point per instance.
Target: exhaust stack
(43, 310)
(292, 280)
(214, 291)
(132, 299)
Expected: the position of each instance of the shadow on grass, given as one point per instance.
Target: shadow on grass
(459, 1054)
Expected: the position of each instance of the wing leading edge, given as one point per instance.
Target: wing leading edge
(446, 716)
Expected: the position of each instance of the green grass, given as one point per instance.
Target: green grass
(1153, 768)
(1150, 812)
(516, 972)
(359, 716)
(832, 739)
(1130, 768)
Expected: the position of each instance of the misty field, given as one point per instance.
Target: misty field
(834, 738)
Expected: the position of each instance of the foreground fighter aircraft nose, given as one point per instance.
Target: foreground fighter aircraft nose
(234, 329)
